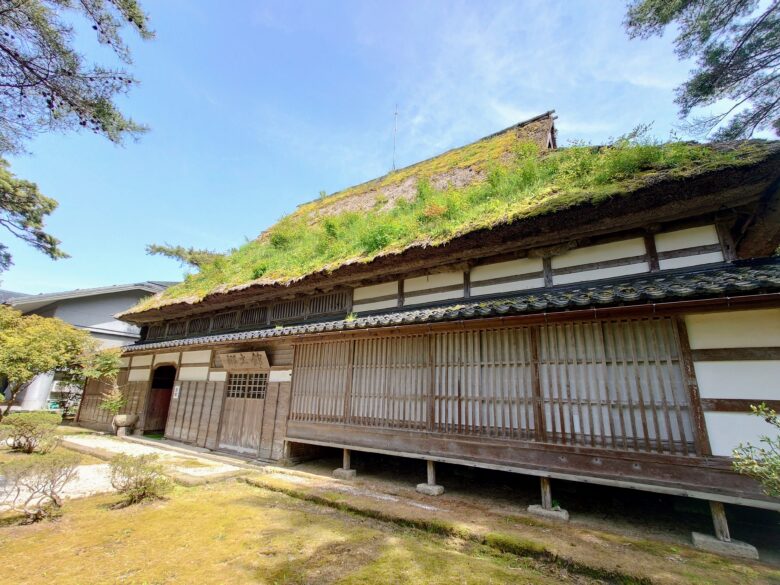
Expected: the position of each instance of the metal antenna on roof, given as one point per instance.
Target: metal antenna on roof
(395, 131)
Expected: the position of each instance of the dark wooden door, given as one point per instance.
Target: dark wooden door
(159, 402)
(159, 399)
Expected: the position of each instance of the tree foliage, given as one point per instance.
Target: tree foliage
(31, 345)
(186, 256)
(762, 462)
(736, 44)
(112, 401)
(22, 212)
(46, 85)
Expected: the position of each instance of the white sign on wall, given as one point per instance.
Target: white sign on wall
(176, 389)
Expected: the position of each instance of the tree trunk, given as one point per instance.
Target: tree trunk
(15, 389)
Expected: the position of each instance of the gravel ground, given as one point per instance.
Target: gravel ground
(95, 479)
(199, 466)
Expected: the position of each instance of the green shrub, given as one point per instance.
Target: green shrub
(31, 431)
(762, 462)
(139, 478)
(33, 485)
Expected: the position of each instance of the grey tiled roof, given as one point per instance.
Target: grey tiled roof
(734, 279)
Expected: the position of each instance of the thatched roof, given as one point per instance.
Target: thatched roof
(506, 187)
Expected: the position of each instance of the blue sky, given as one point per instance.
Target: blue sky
(256, 109)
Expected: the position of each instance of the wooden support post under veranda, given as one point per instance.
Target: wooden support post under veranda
(546, 509)
(345, 471)
(430, 488)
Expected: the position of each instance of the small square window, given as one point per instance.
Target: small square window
(251, 385)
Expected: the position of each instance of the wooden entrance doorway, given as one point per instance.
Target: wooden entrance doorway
(159, 399)
(242, 416)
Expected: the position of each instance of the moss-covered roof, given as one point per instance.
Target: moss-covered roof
(505, 178)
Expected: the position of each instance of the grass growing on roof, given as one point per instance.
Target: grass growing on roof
(526, 184)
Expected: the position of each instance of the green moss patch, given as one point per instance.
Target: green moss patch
(513, 181)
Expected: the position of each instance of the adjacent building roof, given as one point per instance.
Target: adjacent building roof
(511, 188)
(6, 295)
(28, 303)
(732, 280)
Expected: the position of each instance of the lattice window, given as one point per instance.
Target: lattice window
(288, 310)
(252, 386)
(177, 328)
(156, 331)
(199, 325)
(253, 316)
(337, 302)
(224, 321)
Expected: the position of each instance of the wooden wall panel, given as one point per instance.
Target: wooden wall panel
(191, 416)
(280, 421)
(90, 412)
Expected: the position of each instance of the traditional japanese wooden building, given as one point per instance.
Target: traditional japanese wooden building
(615, 337)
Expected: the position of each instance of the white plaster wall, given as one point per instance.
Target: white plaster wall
(171, 357)
(758, 328)
(375, 290)
(693, 260)
(601, 273)
(505, 287)
(505, 269)
(141, 360)
(196, 357)
(600, 253)
(687, 238)
(437, 280)
(727, 430)
(139, 375)
(375, 306)
(739, 379)
(280, 376)
(433, 297)
(217, 376)
(124, 362)
(193, 373)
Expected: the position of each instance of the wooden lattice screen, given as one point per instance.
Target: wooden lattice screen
(613, 384)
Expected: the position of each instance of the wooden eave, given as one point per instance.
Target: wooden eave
(666, 200)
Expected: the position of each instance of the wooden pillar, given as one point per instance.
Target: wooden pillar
(431, 472)
(545, 509)
(347, 458)
(701, 438)
(719, 521)
(546, 493)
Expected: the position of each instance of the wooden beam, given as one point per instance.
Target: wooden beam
(701, 438)
(431, 468)
(347, 459)
(736, 404)
(731, 354)
(652, 253)
(692, 476)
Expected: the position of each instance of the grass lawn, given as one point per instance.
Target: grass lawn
(234, 533)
